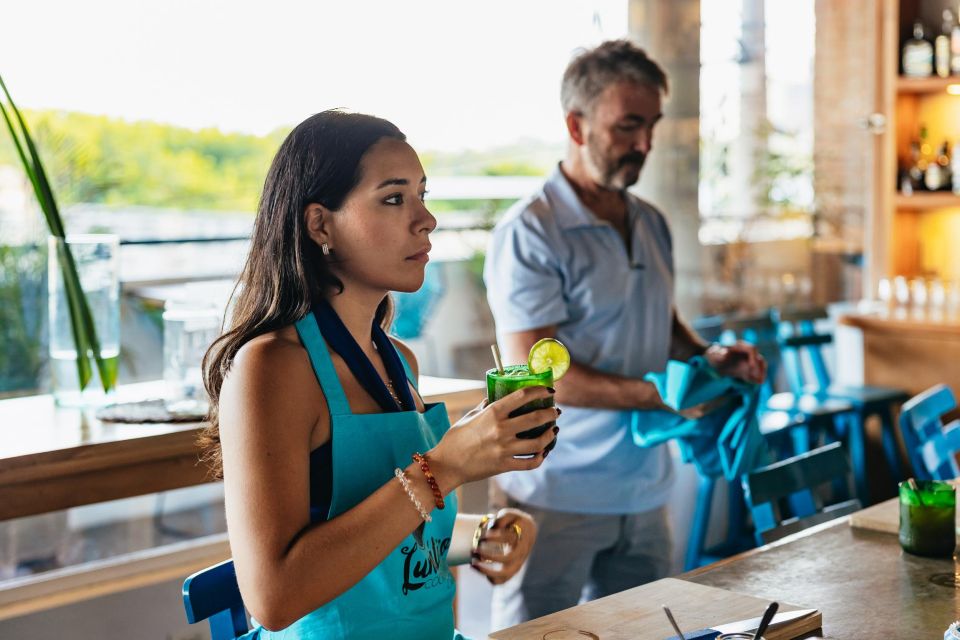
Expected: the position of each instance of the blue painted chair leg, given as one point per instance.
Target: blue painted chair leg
(858, 460)
(701, 523)
(800, 436)
(889, 439)
(736, 514)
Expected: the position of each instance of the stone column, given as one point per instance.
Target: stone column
(670, 33)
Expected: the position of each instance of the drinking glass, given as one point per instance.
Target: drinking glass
(928, 518)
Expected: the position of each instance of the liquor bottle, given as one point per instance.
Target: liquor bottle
(937, 174)
(926, 152)
(955, 46)
(941, 46)
(914, 172)
(955, 167)
(946, 166)
(918, 54)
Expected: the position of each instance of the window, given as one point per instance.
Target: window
(756, 120)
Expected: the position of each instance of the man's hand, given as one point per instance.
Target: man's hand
(741, 360)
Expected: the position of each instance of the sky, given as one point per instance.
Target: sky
(451, 74)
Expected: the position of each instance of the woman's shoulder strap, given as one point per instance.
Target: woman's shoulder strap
(322, 364)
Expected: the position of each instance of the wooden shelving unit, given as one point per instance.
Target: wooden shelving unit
(912, 234)
(926, 85)
(922, 201)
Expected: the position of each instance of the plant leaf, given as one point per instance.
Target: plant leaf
(81, 319)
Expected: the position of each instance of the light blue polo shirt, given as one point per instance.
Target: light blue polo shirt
(551, 261)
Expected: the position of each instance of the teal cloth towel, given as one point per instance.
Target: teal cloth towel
(725, 441)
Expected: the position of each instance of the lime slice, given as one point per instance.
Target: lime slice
(549, 354)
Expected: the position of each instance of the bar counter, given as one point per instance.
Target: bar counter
(908, 348)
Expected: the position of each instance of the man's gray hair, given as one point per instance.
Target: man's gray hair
(593, 70)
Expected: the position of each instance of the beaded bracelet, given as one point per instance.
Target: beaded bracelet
(402, 477)
(421, 460)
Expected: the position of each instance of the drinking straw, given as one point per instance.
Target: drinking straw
(916, 489)
(496, 358)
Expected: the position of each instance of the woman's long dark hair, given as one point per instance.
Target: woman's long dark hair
(285, 271)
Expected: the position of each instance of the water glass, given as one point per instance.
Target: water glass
(885, 291)
(96, 257)
(918, 292)
(901, 291)
(189, 328)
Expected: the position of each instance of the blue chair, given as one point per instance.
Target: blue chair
(931, 446)
(798, 337)
(715, 329)
(709, 328)
(697, 554)
(213, 594)
(786, 497)
(786, 420)
(412, 310)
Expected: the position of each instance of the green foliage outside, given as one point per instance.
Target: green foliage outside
(23, 294)
(95, 159)
(102, 160)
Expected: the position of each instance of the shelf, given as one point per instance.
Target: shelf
(924, 201)
(933, 84)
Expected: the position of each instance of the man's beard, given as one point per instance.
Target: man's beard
(610, 171)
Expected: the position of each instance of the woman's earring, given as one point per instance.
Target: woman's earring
(325, 248)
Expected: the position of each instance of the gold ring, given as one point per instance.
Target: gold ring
(485, 521)
(517, 530)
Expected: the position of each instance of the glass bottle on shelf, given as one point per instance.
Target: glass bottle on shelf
(946, 166)
(955, 46)
(918, 54)
(924, 158)
(941, 46)
(955, 167)
(914, 180)
(937, 175)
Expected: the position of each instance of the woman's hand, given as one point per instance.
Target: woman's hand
(509, 543)
(484, 442)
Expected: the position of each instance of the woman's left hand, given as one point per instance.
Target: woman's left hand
(508, 542)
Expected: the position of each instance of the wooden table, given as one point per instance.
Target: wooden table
(864, 585)
(862, 582)
(53, 459)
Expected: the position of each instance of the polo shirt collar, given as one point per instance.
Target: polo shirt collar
(569, 211)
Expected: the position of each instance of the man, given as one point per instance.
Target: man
(587, 262)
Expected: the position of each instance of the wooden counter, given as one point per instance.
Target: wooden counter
(907, 349)
(53, 458)
(864, 585)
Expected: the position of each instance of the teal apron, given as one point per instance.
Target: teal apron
(409, 595)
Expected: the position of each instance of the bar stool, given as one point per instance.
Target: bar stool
(798, 336)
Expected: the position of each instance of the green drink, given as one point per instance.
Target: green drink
(927, 518)
(514, 378)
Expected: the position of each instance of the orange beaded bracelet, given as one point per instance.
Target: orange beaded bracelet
(421, 460)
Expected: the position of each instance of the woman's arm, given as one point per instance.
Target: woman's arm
(270, 406)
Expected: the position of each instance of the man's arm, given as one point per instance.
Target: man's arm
(684, 341)
(584, 386)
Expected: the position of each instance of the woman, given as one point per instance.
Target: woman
(336, 531)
